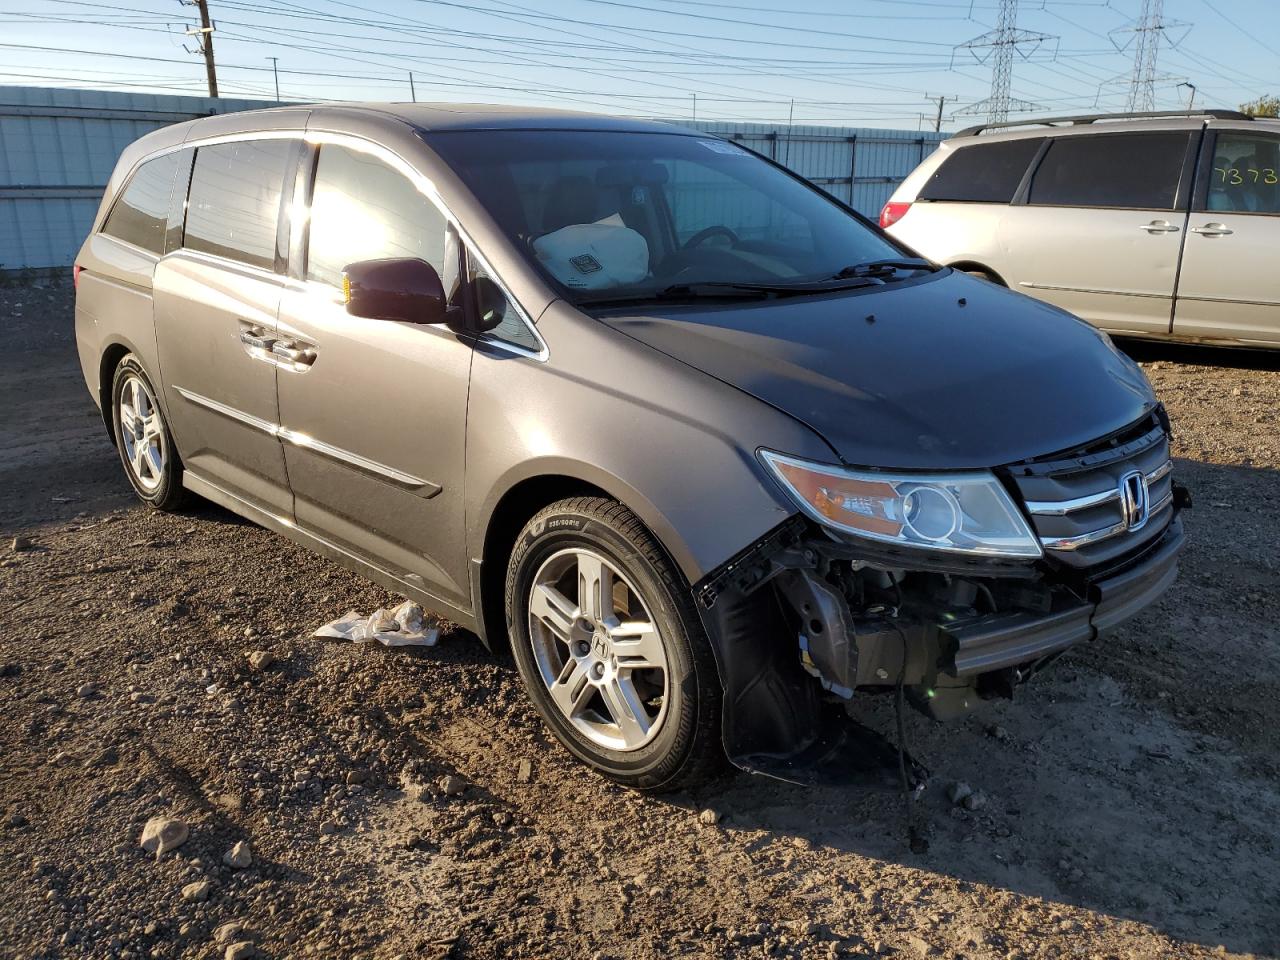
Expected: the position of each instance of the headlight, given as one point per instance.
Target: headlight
(963, 512)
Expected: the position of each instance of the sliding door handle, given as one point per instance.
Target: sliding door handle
(257, 339)
(287, 350)
(1213, 230)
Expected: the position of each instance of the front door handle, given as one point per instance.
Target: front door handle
(1158, 226)
(290, 351)
(1213, 230)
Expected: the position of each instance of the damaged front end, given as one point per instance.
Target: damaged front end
(806, 620)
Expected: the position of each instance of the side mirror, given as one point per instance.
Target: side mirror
(401, 288)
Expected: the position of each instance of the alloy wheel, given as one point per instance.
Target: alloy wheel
(598, 650)
(142, 434)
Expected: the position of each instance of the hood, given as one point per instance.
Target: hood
(952, 372)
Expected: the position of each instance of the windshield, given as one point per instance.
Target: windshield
(612, 216)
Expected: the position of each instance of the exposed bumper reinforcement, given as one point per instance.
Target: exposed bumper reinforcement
(1013, 639)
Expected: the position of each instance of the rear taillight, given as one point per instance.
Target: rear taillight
(893, 212)
(75, 276)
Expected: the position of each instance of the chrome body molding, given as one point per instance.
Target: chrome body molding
(424, 488)
(1031, 284)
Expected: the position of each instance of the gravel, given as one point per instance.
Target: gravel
(1130, 796)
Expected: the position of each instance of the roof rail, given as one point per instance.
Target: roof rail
(1090, 118)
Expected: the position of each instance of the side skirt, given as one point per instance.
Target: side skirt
(310, 541)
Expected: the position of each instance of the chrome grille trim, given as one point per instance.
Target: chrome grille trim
(1060, 508)
(1106, 533)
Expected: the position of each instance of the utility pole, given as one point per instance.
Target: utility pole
(1000, 45)
(413, 93)
(206, 46)
(695, 106)
(276, 74)
(941, 99)
(1191, 101)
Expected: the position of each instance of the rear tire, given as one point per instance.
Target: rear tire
(143, 440)
(622, 674)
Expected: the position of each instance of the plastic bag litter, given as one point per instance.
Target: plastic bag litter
(595, 256)
(403, 626)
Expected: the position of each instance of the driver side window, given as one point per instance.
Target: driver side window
(702, 198)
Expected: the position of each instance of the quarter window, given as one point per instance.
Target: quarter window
(234, 203)
(982, 173)
(361, 209)
(1245, 176)
(1135, 170)
(139, 216)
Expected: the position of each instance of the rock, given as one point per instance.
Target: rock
(197, 892)
(162, 834)
(16, 819)
(997, 732)
(524, 772)
(328, 828)
(107, 758)
(958, 791)
(452, 786)
(261, 659)
(250, 631)
(20, 543)
(239, 857)
(10, 669)
(241, 951)
(230, 932)
(974, 801)
(358, 775)
(921, 946)
(86, 690)
(709, 817)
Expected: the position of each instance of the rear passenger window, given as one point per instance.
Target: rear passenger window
(361, 209)
(983, 173)
(139, 215)
(1139, 170)
(234, 203)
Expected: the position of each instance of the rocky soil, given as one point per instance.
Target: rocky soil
(158, 678)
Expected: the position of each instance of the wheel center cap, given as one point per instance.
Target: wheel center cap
(600, 646)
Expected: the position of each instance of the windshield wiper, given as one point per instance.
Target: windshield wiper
(881, 269)
(719, 289)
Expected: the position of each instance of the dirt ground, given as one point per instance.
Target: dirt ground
(1128, 801)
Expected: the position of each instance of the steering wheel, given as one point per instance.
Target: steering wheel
(709, 232)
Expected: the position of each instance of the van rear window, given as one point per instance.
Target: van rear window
(982, 173)
(139, 216)
(235, 200)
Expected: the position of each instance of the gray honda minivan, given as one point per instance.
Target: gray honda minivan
(709, 453)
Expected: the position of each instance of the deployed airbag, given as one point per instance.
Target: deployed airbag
(595, 256)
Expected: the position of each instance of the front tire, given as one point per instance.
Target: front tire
(610, 647)
(143, 440)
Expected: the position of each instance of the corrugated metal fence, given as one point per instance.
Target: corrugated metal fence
(58, 146)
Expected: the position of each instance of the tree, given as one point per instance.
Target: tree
(1264, 106)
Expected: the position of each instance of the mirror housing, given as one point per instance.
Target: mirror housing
(399, 288)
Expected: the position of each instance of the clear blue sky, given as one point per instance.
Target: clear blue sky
(855, 62)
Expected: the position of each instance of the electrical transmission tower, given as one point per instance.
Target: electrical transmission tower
(1000, 46)
(1146, 33)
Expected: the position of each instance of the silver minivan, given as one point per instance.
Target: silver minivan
(709, 453)
(1160, 226)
